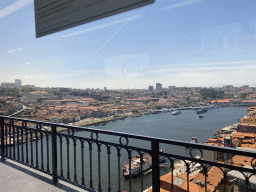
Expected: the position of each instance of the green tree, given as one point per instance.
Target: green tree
(27, 89)
(189, 102)
(83, 94)
(55, 92)
(211, 93)
(9, 91)
(243, 96)
(75, 93)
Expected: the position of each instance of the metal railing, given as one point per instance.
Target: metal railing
(94, 159)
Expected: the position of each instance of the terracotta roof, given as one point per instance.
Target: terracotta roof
(166, 183)
(161, 190)
(184, 176)
(214, 178)
(249, 101)
(224, 135)
(243, 135)
(249, 146)
(223, 101)
(215, 144)
(220, 140)
(241, 160)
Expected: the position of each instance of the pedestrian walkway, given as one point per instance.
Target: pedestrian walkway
(15, 177)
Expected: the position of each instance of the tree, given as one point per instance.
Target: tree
(75, 93)
(55, 92)
(189, 102)
(243, 96)
(64, 90)
(27, 89)
(211, 93)
(83, 94)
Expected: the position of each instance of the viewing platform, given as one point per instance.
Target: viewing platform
(17, 177)
(89, 159)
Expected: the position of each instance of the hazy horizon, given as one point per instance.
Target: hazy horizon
(183, 43)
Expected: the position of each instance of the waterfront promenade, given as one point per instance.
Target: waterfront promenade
(15, 177)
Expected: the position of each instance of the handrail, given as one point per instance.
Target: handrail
(147, 138)
(22, 144)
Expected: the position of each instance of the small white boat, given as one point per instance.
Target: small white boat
(176, 112)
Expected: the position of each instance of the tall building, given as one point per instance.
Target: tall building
(5, 85)
(150, 88)
(18, 83)
(227, 86)
(158, 86)
(172, 87)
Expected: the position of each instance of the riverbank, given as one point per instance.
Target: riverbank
(104, 120)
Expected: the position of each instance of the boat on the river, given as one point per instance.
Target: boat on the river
(176, 112)
(136, 165)
(194, 140)
(200, 116)
(202, 110)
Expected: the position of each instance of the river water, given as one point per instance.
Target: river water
(179, 127)
(163, 125)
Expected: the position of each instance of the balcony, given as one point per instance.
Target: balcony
(99, 160)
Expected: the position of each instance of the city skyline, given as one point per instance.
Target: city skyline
(18, 83)
(183, 43)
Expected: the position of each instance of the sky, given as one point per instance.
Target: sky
(192, 43)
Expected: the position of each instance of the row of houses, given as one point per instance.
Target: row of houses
(215, 180)
(234, 101)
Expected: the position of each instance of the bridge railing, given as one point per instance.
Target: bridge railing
(100, 160)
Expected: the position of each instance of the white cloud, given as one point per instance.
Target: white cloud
(210, 74)
(21, 49)
(184, 3)
(14, 50)
(14, 7)
(128, 19)
(11, 51)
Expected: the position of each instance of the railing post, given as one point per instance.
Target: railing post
(155, 166)
(54, 154)
(2, 139)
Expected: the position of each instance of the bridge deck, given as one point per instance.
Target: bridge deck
(17, 177)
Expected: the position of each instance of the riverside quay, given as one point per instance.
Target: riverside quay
(95, 161)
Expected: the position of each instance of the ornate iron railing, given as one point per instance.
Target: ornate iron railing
(93, 158)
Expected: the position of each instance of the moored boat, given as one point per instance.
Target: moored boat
(176, 112)
(202, 110)
(194, 140)
(136, 165)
